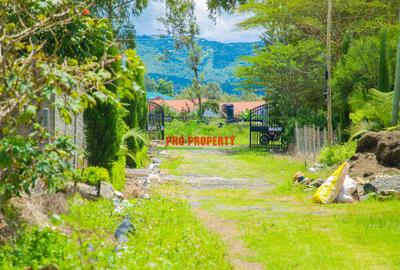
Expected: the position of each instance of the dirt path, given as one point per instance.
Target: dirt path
(226, 229)
(229, 234)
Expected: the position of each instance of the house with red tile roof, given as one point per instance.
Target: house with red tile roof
(179, 105)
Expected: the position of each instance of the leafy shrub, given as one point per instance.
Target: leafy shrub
(33, 248)
(117, 173)
(141, 157)
(94, 175)
(336, 154)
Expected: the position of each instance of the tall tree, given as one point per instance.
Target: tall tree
(180, 22)
(305, 19)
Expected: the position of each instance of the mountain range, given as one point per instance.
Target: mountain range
(218, 64)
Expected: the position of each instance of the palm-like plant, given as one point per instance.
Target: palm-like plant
(245, 115)
(139, 137)
(370, 111)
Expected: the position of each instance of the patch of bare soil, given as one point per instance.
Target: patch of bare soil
(227, 231)
(365, 165)
(377, 153)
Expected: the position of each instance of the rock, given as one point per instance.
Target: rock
(388, 149)
(154, 178)
(360, 190)
(369, 188)
(145, 182)
(55, 203)
(298, 177)
(368, 196)
(146, 196)
(106, 190)
(87, 191)
(118, 194)
(390, 192)
(385, 183)
(155, 168)
(123, 230)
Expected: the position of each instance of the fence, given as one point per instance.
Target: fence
(75, 130)
(311, 139)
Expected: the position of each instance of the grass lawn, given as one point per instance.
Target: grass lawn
(192, 128)
(166, 236)
(280, 225)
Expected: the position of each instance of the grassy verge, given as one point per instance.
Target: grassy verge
(166, 236)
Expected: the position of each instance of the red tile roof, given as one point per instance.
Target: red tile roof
(179, 105)
(241, 106)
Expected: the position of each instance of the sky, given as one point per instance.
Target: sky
(223, 30)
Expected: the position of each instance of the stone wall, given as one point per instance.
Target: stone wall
(75, 130)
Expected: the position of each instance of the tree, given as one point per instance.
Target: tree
(180, 22)
(360, 69)
(291, 75)
(165, 87)
(35, 74)
(291, 20)
(119, 13)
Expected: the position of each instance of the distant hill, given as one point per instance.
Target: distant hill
(219, 61)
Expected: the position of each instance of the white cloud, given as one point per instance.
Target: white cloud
(224, 29)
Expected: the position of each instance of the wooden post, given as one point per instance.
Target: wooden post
(296, 131)
(329, 72)
(313, 141)
(318, 139)
(305, 139)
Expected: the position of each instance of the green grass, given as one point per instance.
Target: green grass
(167, 236)
(283, 228)
(192, 128)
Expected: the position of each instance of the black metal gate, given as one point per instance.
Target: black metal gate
(155, 121)
(266, 131)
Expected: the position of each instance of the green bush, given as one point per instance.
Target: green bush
(336, 154)
(94, 175)
(141, 157)
(33, 248)
(101, 132)
(117, 173)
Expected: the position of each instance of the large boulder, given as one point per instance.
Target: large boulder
(106, 190)
(87, 191)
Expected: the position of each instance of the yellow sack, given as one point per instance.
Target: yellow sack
(328, 191)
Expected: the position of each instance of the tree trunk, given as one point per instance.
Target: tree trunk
(396, 98)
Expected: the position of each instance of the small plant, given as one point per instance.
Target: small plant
(94, 175)
(333, 155)
(245, 115)
(117, 172)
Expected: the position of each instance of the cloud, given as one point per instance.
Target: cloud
(224, 29)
